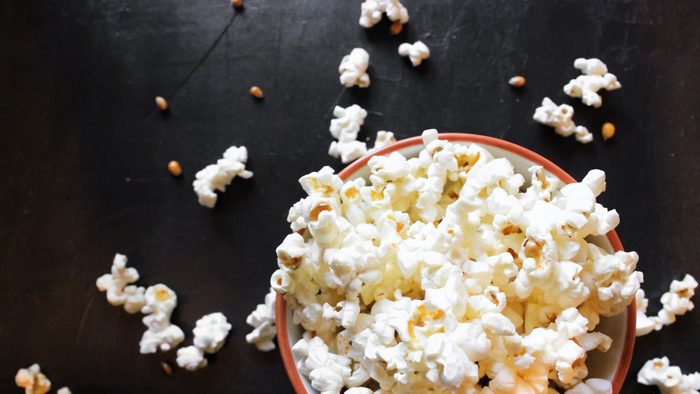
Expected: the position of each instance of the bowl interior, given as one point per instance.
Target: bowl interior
(606, 365)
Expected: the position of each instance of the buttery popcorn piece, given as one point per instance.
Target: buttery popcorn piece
(63, 390)
(161, 334)
(595, 77)
(353, 69)
(118, 286)
(344, 128)
(560, 118)
(191, 358)
(445, 270)
(675, 302)
(262, 319)
(669, 379)
(384, 139)
(217, 176)
(416, 52)
(32, 380)
(372, 11)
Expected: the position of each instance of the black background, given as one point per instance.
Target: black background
(83, 153)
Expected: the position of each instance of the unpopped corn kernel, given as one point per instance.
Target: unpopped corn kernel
(517, 81)
(161, 103)
(256, 92)
(174, 168)
(608, 130)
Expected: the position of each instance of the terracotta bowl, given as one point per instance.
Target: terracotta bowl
(612, 365)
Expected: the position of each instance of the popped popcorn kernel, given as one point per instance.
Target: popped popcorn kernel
(32, 380)
(353, 69)
(119, 288)
(560, 118)
(217, 176)
(372, 11)
(262, 319)
(669, 379)
(595, 77)
(416, 52)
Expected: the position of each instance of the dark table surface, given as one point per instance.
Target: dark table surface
(83, 153)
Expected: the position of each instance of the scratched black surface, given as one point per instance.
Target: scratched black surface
(83, 152)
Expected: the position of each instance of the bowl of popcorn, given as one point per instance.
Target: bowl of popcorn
(454, 263)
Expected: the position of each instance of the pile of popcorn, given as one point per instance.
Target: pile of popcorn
(445, 272)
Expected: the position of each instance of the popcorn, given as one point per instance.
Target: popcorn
(591, 386)
(441, 270)
(595, 77)
(669, 379)
(218, 176)
(64, 390)
(384, 139)
(160, 333)
(416, 52)
(191, 358)
(372, 11)
(353, 69)
(118, 288)
(676, 302)
(32, 380)
(210, 333)
(560, 117)
(262, 319)
(345, 128)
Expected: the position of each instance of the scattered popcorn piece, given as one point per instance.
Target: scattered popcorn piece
(118, 288)
(595, 77)
(161, 104)
(191, 358)
(372, 10)
(416, 52)
(384, 138)
(442, 271)
(174, 168)
(262, 319)
(211, 331)
(218, 176)
(517, 81)
(63, 390)
(669, 379)
(676, 302)
(560, 117)
(591, 386)
(644, 324)
(344, 128)
(256, 92)
(160, 333)
(32, 380)
(353, 69)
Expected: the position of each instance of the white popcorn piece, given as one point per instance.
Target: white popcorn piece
(344, 128)
(416, 52)
(595, 77)
(645, 324)
(217, 176)
(669, 379)
(191, 358)
(63, 390)
(210, 332)
(262, 319)
(347, 151)
(118, 288)
(32, 380)
(441, 269)
(676, 302)
(353, 69)
(384, 139)
(372, 11)
(161, 334)
(561, 119)
(591, 386)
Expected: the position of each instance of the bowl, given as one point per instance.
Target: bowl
(612, 365)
